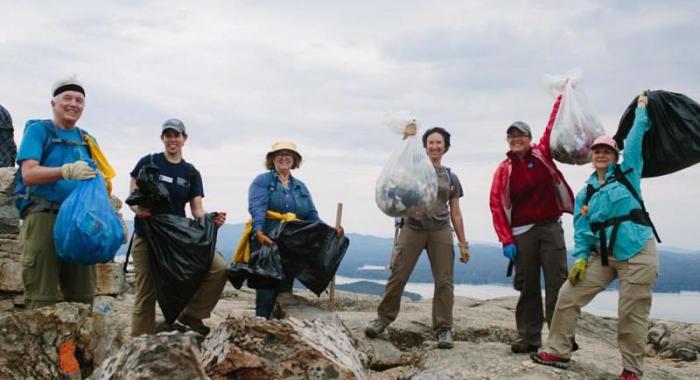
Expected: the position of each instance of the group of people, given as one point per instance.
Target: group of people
(614, 238)
(613, 234)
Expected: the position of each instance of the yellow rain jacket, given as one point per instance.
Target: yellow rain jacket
(102, 164)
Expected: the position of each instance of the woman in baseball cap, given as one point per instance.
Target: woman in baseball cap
(528, 196)
(613, 239)
(184, 184)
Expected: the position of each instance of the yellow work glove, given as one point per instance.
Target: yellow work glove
(464, 252)
(78, 170)
(577, 272)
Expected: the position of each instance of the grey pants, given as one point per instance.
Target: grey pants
(542, 248)
(410, 244)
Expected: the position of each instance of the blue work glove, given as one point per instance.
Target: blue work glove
(510, 251)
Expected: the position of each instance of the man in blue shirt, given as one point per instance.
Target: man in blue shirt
(51, 163)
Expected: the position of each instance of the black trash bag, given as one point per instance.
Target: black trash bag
(181, 252)
(264, 270)
(150, 192)
(673, 142)
(312, 252)
(8, 149)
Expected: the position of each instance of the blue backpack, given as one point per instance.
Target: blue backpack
(23, 192)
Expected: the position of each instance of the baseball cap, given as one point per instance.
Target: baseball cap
(174, 124)
(605, 141)
(521, 126)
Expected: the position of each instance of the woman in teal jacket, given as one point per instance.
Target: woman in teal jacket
(613, 239)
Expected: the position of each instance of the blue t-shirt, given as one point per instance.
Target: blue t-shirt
(35, 146)
(182, 180)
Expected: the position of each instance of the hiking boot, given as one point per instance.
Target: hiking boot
(550, 360)
(523, 348)
(374, 328)
(195, 324)
(574, 345)
(444, 338)
(628, 375)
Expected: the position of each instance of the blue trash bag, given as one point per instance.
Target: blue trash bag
(87, 230)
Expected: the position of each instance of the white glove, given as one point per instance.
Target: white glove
(78, 170)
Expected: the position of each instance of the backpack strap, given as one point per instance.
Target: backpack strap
(190, 176)
(621, 177)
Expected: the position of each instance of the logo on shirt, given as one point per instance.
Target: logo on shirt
(165, 178)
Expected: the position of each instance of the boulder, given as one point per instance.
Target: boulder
(66, 340)
(110, 278)
(10, 275)
(170, 355)
(674, 340)
(9, 218)
(252, 348)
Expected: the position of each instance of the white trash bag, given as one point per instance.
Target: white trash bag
(576, 124)
(408, 184)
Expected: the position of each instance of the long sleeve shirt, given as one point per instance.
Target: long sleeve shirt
(614, 200)
(267, 193)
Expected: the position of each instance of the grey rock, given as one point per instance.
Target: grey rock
(171, 355)
(9, 217)
(251, 348)
(30, 341)
(6, 304)
(686, 354)
(11, 275)
(110, 278)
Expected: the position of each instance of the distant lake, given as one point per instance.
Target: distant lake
(683, 306)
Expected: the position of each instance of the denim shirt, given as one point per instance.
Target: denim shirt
(614, 200)
(267, 193)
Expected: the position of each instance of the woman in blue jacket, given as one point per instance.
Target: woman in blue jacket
(613, 239)
(277, 190)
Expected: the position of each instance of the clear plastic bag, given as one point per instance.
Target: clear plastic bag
(87, 230)
(407, 185)
(576, 124)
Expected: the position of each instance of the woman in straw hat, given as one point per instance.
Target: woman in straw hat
(277, 190)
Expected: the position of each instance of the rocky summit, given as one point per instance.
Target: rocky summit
(310, 340)
(72, 341)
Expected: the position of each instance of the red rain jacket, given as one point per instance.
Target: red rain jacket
(500, 187)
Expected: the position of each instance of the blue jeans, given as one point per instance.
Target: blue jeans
(265, 298)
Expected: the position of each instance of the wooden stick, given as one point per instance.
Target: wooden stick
(338, 217)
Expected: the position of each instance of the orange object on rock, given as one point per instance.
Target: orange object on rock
(66, 358)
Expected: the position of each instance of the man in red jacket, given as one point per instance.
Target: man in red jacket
(528, 196)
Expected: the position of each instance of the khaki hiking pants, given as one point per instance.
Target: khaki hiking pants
(637, 277)
(143, 318)
(410, 244)
(43, 272)
(541, 248)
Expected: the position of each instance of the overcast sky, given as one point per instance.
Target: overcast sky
(242, 74)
